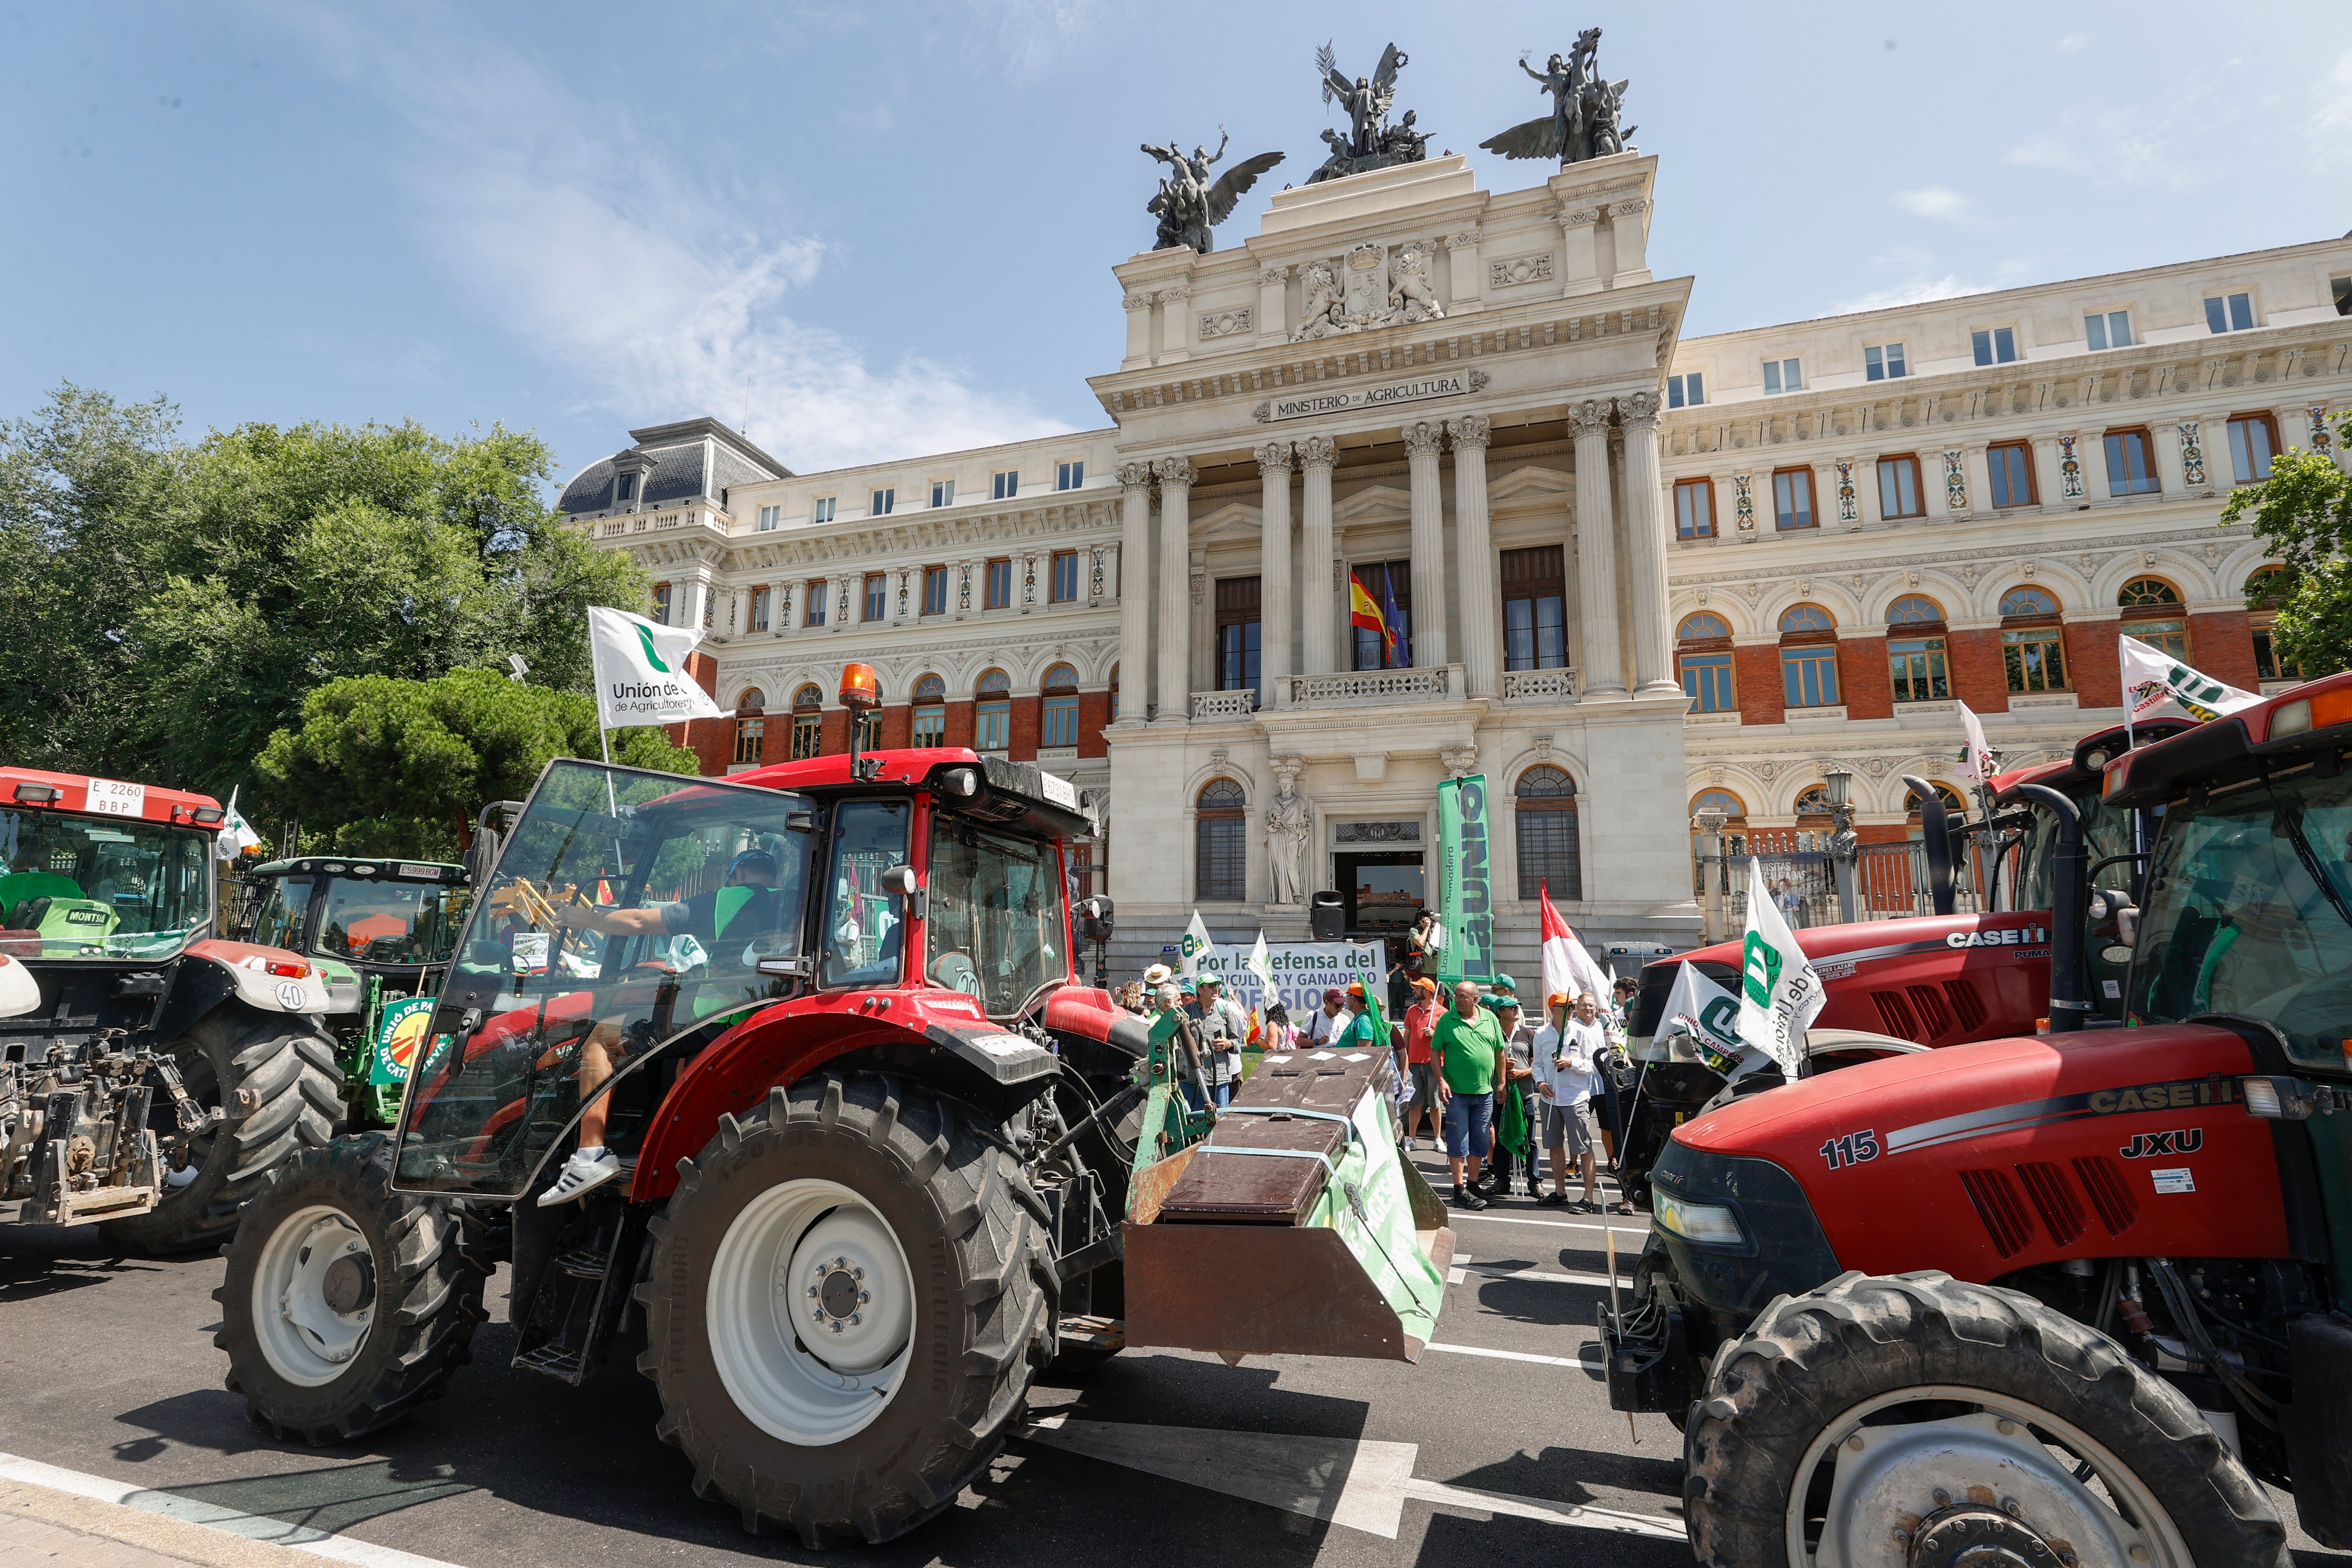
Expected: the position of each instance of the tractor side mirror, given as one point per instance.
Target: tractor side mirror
(899, 882)
(1092, 918)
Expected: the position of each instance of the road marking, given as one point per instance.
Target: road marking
(1357, 1483)
(1593, 1361)
(1640, 1234)
(232, 1521)
(1535, 1276)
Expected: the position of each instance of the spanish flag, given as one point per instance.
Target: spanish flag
(1363, 612)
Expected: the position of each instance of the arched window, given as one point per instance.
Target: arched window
(808, 696)
(2264, 590)
(2032, 642)
(1734, 809)
(930, 727)
(1221, 839)
(2146, 593)
(1944, 792)
(1704, 660)
(1703, 626)
(1546, 801)
(1915, 660)
(1813, 807)
(1057, 718)
(751, 701)
(1808, 669)
(808, 722)
(993, 714)
(2152, 612)
(1915, 610)
(750, 728)
(2020, 602)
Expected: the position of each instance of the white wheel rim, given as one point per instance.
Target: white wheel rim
(811, 1312)
(305, 1340)
(1888, 1475)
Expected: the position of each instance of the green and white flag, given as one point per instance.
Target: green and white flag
(2159, 686)
(1195, 943)
(1710, 1015)
(1780, 992)
(640, 668)
(237, 835)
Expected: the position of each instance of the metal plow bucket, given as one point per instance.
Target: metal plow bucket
(1294, 1228)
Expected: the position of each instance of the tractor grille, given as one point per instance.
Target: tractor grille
(1934, 1016)
(1967, 1005)
(1894, 1015)
(2004, 1216)
(2053, 1200)
(2110, 1194)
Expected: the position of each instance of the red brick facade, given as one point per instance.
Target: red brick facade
(1863, 677)
(2091, 663)
(1094, 712)
(1756, 673)
(1978, 677)
(2222, 646)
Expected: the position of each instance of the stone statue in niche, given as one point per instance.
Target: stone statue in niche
(1372, 142)
(1583, 121)
(1289, 825)
(1188, 204)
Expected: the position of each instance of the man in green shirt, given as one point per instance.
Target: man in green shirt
(1469, 1049)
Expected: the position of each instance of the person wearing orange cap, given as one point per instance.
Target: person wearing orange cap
(1421, 1068)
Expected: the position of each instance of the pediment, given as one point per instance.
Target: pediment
(1234, 518)
(1528, 481)
(1372, 504)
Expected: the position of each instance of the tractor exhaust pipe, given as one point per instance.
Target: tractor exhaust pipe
(2070, 999)
(1935, 833)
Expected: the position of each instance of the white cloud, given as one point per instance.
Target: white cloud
(2126, 145)
(655, 298)
(2331, 123)
(1937, 202)
(2073, 43)
(1911, 291)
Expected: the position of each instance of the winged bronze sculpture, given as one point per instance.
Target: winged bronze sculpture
(1372, 142)
(1189, 204)
(1582, 123)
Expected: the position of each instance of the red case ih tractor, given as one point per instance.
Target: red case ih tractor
(149, 1070)
(2060, 1297)
(884, 1157)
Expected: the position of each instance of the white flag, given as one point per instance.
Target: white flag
(1195, 943)
(1710, 1016)
(2159, 686)
(641, 671)
(1976, 764)
(237, 835)
(1256, 961)
(1780, 994)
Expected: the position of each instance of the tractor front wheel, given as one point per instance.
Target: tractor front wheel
(851, 1292)
(1945, 1422)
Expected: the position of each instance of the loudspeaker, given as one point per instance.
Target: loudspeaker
(1327, 914)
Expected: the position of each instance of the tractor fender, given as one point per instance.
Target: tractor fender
(249, 970)
(941, 1037)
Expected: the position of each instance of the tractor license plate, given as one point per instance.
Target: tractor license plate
(109, 798)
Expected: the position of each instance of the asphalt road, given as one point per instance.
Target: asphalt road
(1467, 1457)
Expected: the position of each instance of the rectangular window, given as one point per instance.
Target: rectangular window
(2129, 472)
(1995, 345)
(2169, 638)
(2011, 463)
(930, 727)
(935, 590)
(943, 492)
(821, 510)
(1001, 487)
(2035, 657)
(877, 595)
(883, 501)
(2107, 329)
(1239, 636)
(1917, 666)
(1793, 498)
(1899, 487)
(991, 725)
(758, 614)
(2252, 440)
(997, 585)
(2230, 312)
(814, 597)
(1695, 508)
(1706, 676)
(1065, 589)
(1784, 375)
(1535, 609)
(2266, 658)
(661, 602)
(628, 490)
(1058, 721)
(1069, 476)
(770, 516)
(1685, 391)
(1884, 362)
(1386, 582)
(1810, 675)
(808, 736)
(747, 739)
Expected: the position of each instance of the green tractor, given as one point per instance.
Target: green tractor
(383, 932)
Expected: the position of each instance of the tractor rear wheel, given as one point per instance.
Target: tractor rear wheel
(346, 1304)
(1955, 1421)
(851, 1293)
(276, 1075)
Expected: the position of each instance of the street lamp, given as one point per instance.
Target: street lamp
(1845, 845)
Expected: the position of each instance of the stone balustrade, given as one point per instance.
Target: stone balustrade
(1215, 705)
(1347, 688)
(1539, 685)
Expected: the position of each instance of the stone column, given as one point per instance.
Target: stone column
(1468, 282)
(1175, 649)
(1580, 255)
(1427, 622)
(1175, 324)
(1203, 632)
(1645, 529)
(1629, 226)
(1482, 592)
(1317, 617)
(1134, 598)
(1139, 329)
(1273, 305)
(1596, 554)
(1276, 600)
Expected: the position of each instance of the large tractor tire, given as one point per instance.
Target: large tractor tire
(346, 1304)
(277, 1077)
(851, 1293)
(1949, 1418)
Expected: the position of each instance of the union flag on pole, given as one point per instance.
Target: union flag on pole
(1567, 966)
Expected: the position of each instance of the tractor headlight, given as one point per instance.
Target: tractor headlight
(1711, 1224)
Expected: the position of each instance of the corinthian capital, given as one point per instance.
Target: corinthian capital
(1640, 408)
(1137, 302)
(1174, 471)
(1318, 452)
(1422, 437)
(1135, 476)
(1591, 417)
(1274, 457)
(1578, 218)
(1469, 431)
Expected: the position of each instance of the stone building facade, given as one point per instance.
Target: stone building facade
(1632, 570)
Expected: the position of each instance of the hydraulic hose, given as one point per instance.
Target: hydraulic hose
(2070, 991)
(1935, 837)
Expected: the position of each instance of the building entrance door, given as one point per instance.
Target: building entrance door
(1383, 890)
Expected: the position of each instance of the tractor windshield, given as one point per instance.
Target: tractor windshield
(370, 921)
(2107, 830)
(100, 886)
(627, 925)
(998, 915)
(2250, 912)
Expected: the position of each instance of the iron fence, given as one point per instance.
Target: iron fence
(1797, 866)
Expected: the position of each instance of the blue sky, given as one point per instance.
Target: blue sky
(885, 230)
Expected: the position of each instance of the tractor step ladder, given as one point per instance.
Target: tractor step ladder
(580, 1301)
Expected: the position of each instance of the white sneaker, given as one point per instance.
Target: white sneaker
(1408, 1145)
(582, 1173)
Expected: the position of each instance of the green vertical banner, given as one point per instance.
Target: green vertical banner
(1466, 902)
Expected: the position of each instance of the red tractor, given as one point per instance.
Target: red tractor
(852, 1153)
(2062, 1297)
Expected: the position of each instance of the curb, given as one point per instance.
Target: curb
(199, 1545)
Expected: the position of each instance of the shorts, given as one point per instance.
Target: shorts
(1424, 1086)
(1570, 1126)
(1469, 1125)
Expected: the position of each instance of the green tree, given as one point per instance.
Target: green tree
(2304, 513)
(384, 766)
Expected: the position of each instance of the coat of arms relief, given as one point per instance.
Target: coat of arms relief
(1371, 286)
